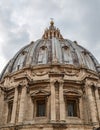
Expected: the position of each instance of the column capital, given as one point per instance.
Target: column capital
(90, 82)
(98, 85)
(53, 81)
(61, 82)
(20, 86)
(91, 85)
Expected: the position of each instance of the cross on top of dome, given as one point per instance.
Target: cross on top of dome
(52, 22)
(52, 31)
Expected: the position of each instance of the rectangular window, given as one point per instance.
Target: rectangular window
(10, 106)
(71, 108)
(41, 108)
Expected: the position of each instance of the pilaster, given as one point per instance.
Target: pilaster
(61, 101)
(97, 101)
(22, 105)
(53, 104)
(92, 105)
(13, 116)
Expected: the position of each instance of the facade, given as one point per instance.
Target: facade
(51, 84)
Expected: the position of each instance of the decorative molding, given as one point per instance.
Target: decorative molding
(59, 126)
(40, 93)
(65, 47)
(71, 73)
(43, 47)
(53, 81)
(72, 92)
(40, 73)
(23, 76)
(55, 74)
(4, 89)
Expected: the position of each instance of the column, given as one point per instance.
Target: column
(22, 105)
(97, 101)
(61, 101)
(13, 116)
(92, 105)
(53, 105)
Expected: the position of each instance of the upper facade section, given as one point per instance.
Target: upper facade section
(52, 49)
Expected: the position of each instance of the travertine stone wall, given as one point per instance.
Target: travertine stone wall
(26, 89)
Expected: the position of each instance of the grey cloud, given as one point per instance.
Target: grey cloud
(14, 42)
(22, 21)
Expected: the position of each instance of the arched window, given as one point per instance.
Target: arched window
(19, 62)
(89, 62)
(42, 58)
(87, 59)
(67, 55)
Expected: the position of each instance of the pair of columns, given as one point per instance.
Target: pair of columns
(53, 102)
(22, 105)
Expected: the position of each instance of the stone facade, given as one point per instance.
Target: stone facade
(57, 87)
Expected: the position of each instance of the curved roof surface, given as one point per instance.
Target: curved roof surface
(52, 48)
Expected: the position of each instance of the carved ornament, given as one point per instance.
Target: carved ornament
(39, 73)
(73, 93)
(41, 93)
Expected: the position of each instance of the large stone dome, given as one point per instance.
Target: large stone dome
(51, 84)
(52, 48)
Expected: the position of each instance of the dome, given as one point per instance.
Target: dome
(50, 84)
(50, 49)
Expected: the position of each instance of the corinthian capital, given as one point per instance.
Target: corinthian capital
(61, 82)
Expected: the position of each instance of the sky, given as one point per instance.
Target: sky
(23, 21)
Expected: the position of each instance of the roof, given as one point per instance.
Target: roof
(52, 48)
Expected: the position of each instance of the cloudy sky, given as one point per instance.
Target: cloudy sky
(23, 21)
